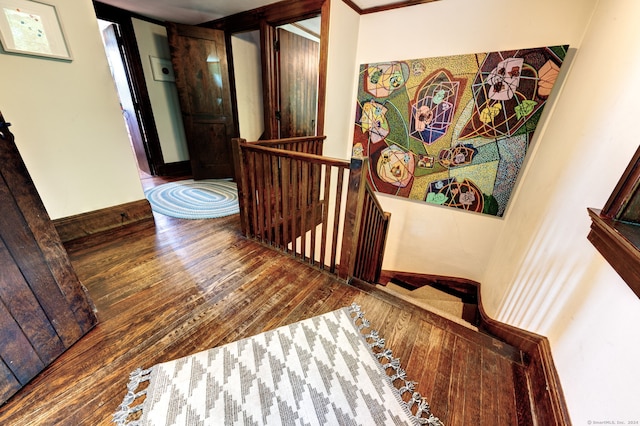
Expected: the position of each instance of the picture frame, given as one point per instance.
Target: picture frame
(32, 28)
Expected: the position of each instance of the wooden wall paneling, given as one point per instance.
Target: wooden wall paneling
(8, 382)
(269, 80)
(48, 244)
(16, 350)
(44, 307)
(25, 309)
(26, 254)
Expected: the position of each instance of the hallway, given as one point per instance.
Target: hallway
(187, 285)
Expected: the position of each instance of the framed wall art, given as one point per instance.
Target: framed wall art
(32, 28)
(453, 131)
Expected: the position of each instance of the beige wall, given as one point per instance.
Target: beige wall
(544, 275)
(427, 238)
(248, 74)
(152, 41)
(67, 121)
(537, 269)
(341, 69)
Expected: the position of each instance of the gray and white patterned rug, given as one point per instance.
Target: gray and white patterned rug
(331, 369)
(195, 199)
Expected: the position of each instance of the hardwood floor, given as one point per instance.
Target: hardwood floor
(183, 286)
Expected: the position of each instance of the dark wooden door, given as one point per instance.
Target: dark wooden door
(130, 109)
(202, 79)
(44, 308)
(298, 62)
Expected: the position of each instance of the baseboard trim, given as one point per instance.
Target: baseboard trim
(81, 225)
(548, 404)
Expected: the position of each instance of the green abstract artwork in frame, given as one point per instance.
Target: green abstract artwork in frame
(455, 130)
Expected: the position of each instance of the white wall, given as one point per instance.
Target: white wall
(67, 121)
(544, 275)
(538, 270)
(248, 75)
(343, 39)
(427, 238)
(152, 41)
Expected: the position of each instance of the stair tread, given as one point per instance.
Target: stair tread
(449, 309)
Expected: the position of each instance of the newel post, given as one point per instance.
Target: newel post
(241, 182)
(353, 217)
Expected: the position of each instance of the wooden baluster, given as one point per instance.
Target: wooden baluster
(277, 200)
(336, 221)
(295, 208)
(242, 183)
(325, 214)
(286, 202)
(253, 191)
(269, 199)
(304, 208)
(315, 195)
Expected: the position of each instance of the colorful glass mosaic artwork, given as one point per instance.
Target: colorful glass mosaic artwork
(453, 130)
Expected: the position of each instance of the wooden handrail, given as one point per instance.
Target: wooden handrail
(308, 144)
(295, 200)
(287, 141)
(311, 158)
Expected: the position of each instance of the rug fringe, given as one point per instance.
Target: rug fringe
(136, 378)
(416, 401)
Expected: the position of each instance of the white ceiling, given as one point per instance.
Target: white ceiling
(199, 11)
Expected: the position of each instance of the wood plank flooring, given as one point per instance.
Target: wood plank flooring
(181, 286)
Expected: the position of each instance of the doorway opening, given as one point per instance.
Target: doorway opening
(297, 47)
(120, 74)
(277, 74)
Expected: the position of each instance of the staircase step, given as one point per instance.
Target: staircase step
(440, 303)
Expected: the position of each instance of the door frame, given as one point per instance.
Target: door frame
(137, 83)
(266, 19)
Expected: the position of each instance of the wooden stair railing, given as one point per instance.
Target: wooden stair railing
(317, 208)
(367, 225)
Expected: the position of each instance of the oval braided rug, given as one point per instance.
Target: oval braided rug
(189, 199)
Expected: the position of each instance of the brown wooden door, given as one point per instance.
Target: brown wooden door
(298, 62)
(202, 79)
(44, 308)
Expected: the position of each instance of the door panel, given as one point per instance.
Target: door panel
(44, 308)
(26, 310)
(16, 346)
(202, 79)
(298, 69)
(210, 140)
(27, 257)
